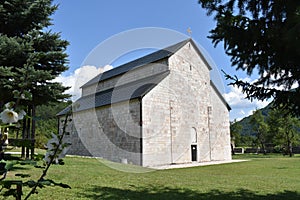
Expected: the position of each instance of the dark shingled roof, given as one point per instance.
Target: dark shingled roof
(64, 111)
(128, 91)
(150, 58)
(135, 89)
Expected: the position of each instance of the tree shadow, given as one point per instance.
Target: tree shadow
(165, 193)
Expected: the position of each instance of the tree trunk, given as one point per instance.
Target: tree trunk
(232, 150)
(290, 148)
(263, 148)
(28, 132)
(1, 152)
(23, 137)
(32, 132)
(289, 144)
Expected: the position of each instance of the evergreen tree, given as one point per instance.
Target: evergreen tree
(30, 58)
(262, 35)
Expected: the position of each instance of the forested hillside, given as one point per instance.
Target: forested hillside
(46, 121)
(247, 128)
(268, 128)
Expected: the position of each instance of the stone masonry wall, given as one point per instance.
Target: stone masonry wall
(176, 109)
(111, 132)
(219, 129)
(156, 126)
(193, 78)
(77, 147)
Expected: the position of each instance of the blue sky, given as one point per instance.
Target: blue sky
(86, 24)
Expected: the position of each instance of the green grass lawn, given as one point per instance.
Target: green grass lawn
(263, 177)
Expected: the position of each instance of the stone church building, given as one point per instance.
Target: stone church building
(159, 109)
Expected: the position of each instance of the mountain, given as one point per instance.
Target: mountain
(246, 125)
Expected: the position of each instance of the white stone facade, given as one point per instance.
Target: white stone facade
(182, 119)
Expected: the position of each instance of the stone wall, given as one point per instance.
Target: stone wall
(219, 128)
(175, 112)
(110, 132)
(77, 147)
(193, 81)
(156, 126)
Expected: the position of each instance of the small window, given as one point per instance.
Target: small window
(190, 67)
(209, 110)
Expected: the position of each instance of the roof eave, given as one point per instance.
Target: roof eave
(200, 54)
(220, 95)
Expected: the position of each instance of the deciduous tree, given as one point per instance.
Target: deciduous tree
(260, 128)
(284, 129)
(235, 134)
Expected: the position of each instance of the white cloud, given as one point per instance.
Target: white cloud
(250, 112)
(242, 112)
(80, 77)
(242, 107)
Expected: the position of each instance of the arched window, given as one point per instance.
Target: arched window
(193, 135)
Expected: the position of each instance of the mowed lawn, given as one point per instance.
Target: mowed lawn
(263, 177)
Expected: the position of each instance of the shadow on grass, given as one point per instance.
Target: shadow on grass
(153, 192)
